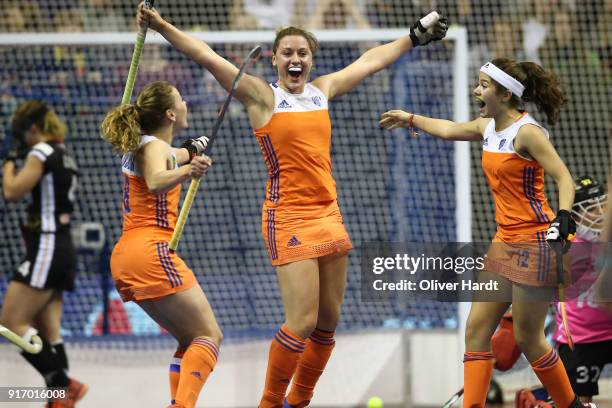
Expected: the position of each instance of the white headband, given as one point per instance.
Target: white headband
(503, 78)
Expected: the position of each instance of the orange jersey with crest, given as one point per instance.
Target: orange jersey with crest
(521, 207)
(296, 145)
(141, 207)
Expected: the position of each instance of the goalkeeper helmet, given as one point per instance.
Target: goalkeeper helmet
(589, 207)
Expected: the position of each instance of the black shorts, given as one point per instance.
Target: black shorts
(584, 365)
(50, 261)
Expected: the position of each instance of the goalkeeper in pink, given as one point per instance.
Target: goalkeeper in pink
(589, 325)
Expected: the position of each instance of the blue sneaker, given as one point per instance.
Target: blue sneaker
(286, 404)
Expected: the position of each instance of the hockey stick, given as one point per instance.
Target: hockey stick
(453, 399)
(32, 347)
(559, 252)
(138, 45)
(195, 182)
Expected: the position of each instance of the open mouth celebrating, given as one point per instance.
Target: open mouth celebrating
(481, 104)
(295, 71)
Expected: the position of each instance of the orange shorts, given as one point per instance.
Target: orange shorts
(525, 259)
(304, 234)
(143, 268)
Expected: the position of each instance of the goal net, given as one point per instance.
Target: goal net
(391, 187)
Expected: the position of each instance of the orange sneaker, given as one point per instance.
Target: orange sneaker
(76, 392)
(58, 404)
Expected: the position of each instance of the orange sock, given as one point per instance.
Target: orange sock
(318, 349)
(551, 372)
(196, 365)
(285, 350)
(477, 373)
(175, 372)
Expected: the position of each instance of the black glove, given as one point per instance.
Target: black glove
(9, 150)
(430, 28)
(561, 231)
(12, 155)
(196, 147)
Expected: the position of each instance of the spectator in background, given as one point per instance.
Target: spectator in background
(13, 20)
(270, 14)
(502, 39)
(154, 66)
(588, 15)
(401, 13)
(559, 48)
(240, 19)
(16, 17)
(537, 27)
(103, 15)
(477, 15)
(69, 21)
(337, 14)
(568, 50)
(69, 61)
(604, 50)
(573, 57)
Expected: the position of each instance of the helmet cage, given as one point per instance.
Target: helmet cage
(589, 215)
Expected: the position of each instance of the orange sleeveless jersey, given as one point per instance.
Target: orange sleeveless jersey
(521, 207)
(300, 218)
(296, 145)
(141, 263)
(519, 251)
(141, 208)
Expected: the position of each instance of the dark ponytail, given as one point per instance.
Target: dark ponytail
(542, 87)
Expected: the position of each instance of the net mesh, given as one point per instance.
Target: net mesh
(222, 243)
(390, 187)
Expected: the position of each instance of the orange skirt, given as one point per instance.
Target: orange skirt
(525, 259)
(304, 234)
(143, 268)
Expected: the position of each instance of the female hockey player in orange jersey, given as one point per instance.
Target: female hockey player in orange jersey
(516, 153)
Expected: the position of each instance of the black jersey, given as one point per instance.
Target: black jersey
(53, 196)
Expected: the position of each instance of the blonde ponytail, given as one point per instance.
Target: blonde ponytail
(121, 128)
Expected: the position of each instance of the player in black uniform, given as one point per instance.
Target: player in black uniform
(34, 299)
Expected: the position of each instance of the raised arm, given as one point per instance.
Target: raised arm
(251, 89)
(430, 28)
(442, 128)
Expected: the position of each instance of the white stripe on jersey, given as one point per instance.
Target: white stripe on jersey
(41, 151)
(42, 265)
(43, 148)
(47, 204)
(39, 155)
